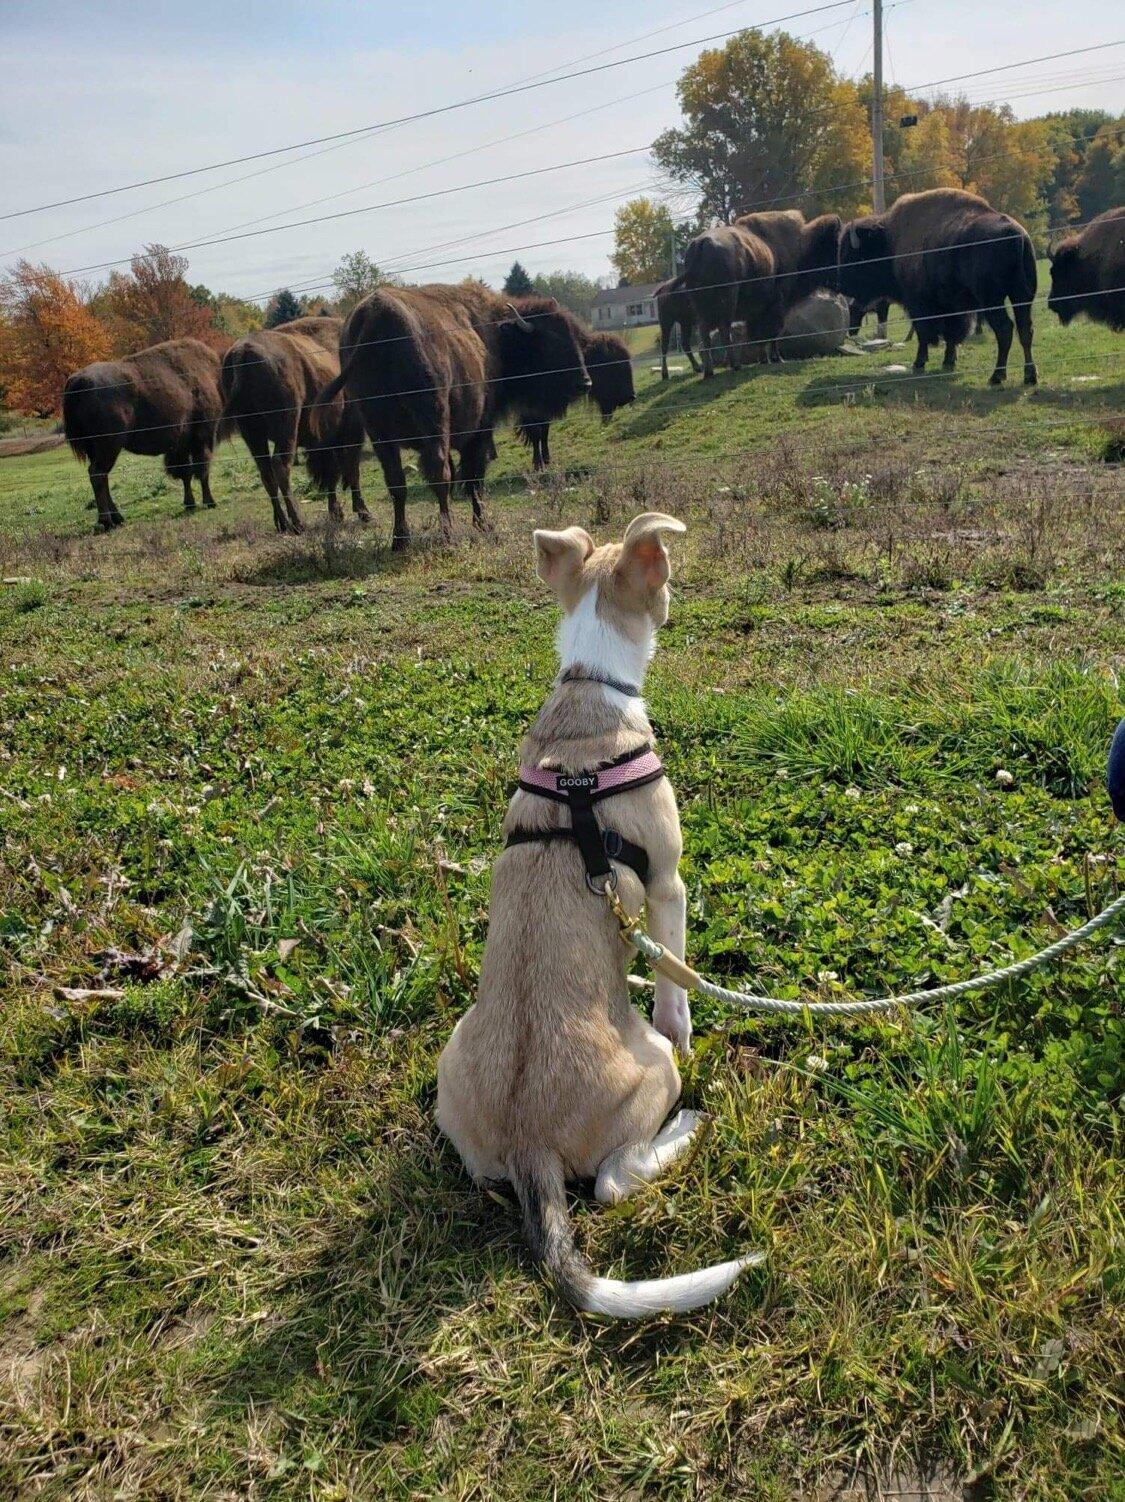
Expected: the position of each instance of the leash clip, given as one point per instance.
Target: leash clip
(626, 923)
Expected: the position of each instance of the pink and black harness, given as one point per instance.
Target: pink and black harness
(581, 792)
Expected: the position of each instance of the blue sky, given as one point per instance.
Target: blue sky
(99, 94)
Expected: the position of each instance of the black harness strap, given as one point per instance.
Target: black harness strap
(580, 791)
(614, 845)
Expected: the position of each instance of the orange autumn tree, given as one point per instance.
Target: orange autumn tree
(153, 302)
(46, 333)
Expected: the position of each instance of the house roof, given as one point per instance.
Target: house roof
(640, 293)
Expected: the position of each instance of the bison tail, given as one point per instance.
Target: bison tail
(1028, 275)
(322, 420)
(322, 461)
(230, 384)
(72, 413)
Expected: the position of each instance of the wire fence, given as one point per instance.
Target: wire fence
(540, 375)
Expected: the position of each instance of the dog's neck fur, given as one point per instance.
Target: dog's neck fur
(584, 721)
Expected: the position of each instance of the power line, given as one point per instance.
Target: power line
(443, 109)
(486, 182)
(508, 177)
(397, 268)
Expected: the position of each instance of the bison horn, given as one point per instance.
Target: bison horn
(853, 237)
(521, 320)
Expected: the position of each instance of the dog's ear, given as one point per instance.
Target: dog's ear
(644, 564)
(559, 556)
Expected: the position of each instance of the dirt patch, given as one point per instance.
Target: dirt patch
(19, 448)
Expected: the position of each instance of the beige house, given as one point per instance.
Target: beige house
(625, 307)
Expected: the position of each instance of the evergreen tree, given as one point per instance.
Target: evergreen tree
(283, 308)
(517, 283)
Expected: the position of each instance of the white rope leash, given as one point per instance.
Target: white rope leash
(682, 974)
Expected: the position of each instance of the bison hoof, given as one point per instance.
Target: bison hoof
(210, 505)
(362, 515)
(997, 378)
(1031, 376)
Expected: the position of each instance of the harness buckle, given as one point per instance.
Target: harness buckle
(609, 887)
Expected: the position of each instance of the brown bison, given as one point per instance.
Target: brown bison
(164, 401)
(436, 368)
(945, 254)
(270, 382)
(610, 369)
(1088, 272)
(673, 306)
(730, 274)
(804, 254)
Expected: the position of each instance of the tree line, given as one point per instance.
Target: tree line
(769, 122)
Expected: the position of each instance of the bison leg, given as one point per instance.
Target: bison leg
(269, 480)
(349, 470)
(475, 457)
(924, 335)
(1022, 311)
(433, 461)
(283, 455)
(390, 458)
(201, 468)
(181, 469)
(101, 462)
(540, 453)
(1002, 326)
(687, 328)
(665, 340)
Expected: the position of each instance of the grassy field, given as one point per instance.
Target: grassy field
(250, 788)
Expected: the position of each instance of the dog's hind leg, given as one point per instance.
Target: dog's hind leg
(639, 1163)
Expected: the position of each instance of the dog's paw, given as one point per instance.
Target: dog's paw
(672, 1016)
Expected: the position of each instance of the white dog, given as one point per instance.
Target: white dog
(553, 1074)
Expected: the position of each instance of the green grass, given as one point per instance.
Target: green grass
(236, 1258)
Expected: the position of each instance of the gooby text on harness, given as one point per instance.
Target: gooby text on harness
(581, 792)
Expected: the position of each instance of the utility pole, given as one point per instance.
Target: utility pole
(878, 195)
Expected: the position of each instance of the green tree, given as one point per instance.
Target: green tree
(768, 121)
(1101, 183)
(354, 278)
(642, 241)
(570, 288)
(282, 307)
(517, 283)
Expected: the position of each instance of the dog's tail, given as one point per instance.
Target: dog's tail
(538, 1181)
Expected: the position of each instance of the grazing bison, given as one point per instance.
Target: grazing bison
(804, 253)
(944, 255)
(164, 401)
(435, 368)
(610, 369)
(270, 381)
(673, 306)
(1088, 272)
(729, 273)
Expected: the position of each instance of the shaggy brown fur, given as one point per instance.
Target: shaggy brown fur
(436, 368)
(730, 273)
(164, 401)
(1088, 272)
(270, 381)
(804, 253)
(610, 369)
(944, 254)
(673, 306)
